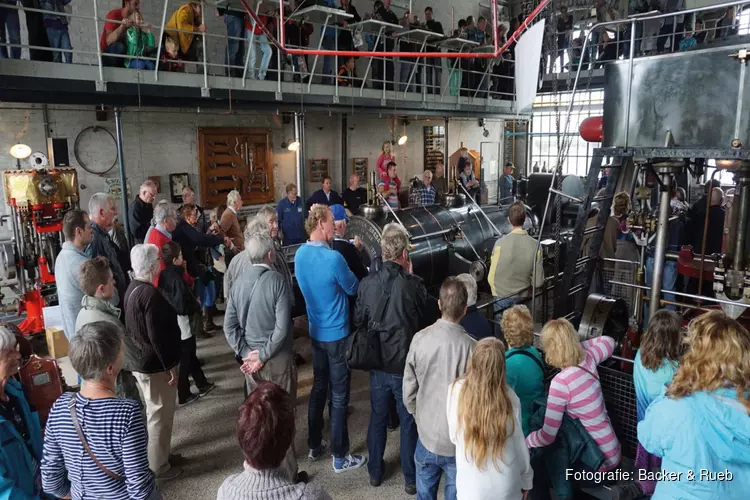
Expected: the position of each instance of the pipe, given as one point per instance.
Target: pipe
(740, 96)
(301, 153)
(686, 295)
(430, 235)
(662, 232)
(98, 46)
(630, 78)
(121, 162)
(158, 49)
(539, 241)
(738, 262)
(18, 257)
(344, 152)
(297, 165)
(494, 25)
(445, 152)
(678, 304)
(203, 43)
(45, 120)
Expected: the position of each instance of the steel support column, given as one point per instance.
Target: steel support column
(662, 233)
(121, 167)
(299, 136)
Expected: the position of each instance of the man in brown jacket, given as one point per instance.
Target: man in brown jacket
(230, 224)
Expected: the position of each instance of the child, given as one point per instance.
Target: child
(688, 43)
(177, 291)
(98, 285)
(347, 74)
(140, 43)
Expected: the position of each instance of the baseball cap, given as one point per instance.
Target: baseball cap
(339, 213)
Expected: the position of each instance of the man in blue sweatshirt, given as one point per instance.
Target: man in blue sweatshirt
(325, 281)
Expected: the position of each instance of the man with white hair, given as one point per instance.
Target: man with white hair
(424, 194)
(102, 213)
(279, 264)
(407, 309)
(258, 324)
(230, 224)
(142, 211)
(474, 322)
(165, 217)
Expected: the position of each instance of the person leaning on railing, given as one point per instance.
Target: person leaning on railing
(141, 43)
(115, 31)
(57, 29)
(182, 27)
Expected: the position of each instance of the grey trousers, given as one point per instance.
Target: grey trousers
(282, 371)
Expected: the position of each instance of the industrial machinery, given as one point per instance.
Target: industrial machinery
(38, 200)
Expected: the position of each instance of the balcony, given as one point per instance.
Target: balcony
(466, 87)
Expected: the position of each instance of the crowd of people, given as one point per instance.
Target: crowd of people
(470, 401)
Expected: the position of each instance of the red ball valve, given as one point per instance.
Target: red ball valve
(591, 129)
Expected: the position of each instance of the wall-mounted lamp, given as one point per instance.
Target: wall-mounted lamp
(20, 152)
(293, 146)
(402, 140)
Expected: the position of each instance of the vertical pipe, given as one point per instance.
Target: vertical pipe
(344, 151)
(336, 63)
(298, 162)
(662, 232)
(121, 162)
(740, 97)
(301, 155)
(738, 262)
(96, 37)
(385, 69)
(17, 243)
(159, 42)
(630, 83)
(494, 27)
(445, 152)
(282, 27)
(539, 243)
(203, 42)
(278, 72)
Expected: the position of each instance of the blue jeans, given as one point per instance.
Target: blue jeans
(117, 48)
(265, 56)
(142, 64)
(60, 39)
(329, 365)
(407, 65)
(383, 388)
(329, 43)
(429, 469)
(10, 31)
(235, 29)
(670, 280)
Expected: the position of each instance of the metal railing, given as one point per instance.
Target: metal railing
(425, 78)
(669, 33)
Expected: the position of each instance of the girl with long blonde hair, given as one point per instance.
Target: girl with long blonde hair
(387, 156)
(702, 423)
(484, 421)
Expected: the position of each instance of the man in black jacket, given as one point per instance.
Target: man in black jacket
(409, 309)
(384, 69)
(142, 211)
(102, 213)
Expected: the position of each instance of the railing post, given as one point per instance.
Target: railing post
(385, 72)
(101, 85)
(160, 41)
(336, 67)
(278, 66)
(414, 69)
(205, 91)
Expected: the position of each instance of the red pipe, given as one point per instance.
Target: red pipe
(453, 55)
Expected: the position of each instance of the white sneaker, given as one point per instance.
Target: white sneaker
(313, 455)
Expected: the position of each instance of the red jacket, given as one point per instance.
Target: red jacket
(258, 29)
(156, 237)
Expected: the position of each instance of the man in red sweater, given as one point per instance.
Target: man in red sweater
(165, 217)
(112, 40)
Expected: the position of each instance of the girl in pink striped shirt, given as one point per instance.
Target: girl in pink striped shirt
(576, 389)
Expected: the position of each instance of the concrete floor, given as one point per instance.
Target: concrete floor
(204, 433)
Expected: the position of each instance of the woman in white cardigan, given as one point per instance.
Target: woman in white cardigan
(484, 420)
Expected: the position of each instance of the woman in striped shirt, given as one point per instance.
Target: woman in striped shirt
(109, 459)
(576, 389)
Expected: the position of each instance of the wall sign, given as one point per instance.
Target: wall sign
(317, 170)
(434, 146)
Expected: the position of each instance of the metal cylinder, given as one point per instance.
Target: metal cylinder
(121, 161)
(432, 239)
(662, 233)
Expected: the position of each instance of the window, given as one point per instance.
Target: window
(544, 130)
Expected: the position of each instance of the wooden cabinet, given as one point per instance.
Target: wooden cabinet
(235, 158)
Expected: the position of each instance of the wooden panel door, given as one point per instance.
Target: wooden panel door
(235, 158)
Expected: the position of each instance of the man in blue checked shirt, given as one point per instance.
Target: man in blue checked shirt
(424, 194)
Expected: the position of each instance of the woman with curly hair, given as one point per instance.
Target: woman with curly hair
(701, 426)
(524, 364)
(484, 422)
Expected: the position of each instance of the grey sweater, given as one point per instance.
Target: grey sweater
(438, 355)
(67, 267)
(253, 484)
(259, 318)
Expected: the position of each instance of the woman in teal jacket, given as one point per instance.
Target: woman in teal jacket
(700, 427)
(20, 432)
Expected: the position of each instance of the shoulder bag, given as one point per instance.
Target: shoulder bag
(363, 345)
(82, 438)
